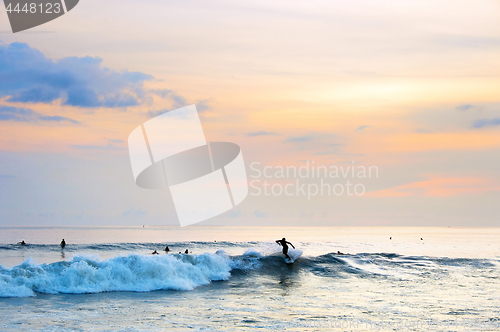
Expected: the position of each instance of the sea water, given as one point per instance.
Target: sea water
(236, 279)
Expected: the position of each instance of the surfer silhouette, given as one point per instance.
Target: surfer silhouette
(22, 243)
(167, 249)
(155, 253)
(63, 243)
(283, 242)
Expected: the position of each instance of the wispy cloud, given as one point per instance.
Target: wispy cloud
(363, 128)
(135, 213)
(466, 41)
(334, 149)
(17, 114)
(262, 133)
(353, 154)
(177, 100)
(153, 114)
(352, 162)
(464, 107)
(164, 93)
(260, 214)
(439, 187)
(234, 213)
(203, 105)
(486, 123)
(57, 118)
(325, 153)
(116, 140)
(305, 138)
(423, 131)
(98, 147)
(27, 76)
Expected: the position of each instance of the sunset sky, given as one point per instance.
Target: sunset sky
(411, 87)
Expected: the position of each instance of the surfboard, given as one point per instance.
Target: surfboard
(294, 254)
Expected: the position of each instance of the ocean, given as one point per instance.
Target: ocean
(236, 279)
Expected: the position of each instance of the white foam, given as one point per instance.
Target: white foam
(134, 272)
(252, 253)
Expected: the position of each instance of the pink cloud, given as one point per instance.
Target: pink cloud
(440, 187)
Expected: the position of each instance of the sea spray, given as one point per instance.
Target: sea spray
(136, 273)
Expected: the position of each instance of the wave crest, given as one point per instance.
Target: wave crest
(136, 273)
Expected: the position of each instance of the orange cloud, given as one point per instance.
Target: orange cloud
(439, 187)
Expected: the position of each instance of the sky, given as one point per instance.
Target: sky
(409, 88)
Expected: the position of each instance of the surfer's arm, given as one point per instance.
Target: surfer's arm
(290, 244)
(278, 242)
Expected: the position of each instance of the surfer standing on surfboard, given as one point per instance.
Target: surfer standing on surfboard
(283, 242)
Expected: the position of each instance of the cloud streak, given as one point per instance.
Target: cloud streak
(98, 147)
(17, 114)
(486, 123)
(439, 187)
(305, 138)
(260, 214)
(262, 133)
(177, 100)
(464, 107)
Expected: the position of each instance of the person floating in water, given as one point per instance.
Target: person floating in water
(340, 253)
(167, 249)
(283, 242)
(63, 243)
(22, 243)
(155, 253)
(186, 252)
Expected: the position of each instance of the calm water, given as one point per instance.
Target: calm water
(438, 279)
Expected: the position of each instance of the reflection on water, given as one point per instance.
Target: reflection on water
(399, 280)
